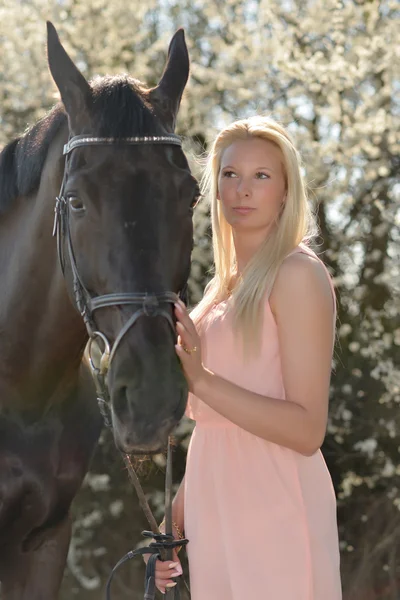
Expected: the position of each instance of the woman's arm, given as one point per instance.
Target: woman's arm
(302, 304)
(166, 571)
(178, 515)
(178, 507)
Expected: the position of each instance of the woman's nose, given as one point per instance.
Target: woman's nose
(243, 188)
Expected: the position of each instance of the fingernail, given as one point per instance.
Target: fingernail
(176, 574)
(172, 565)
(171, 585)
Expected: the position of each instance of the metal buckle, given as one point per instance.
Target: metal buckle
(150, 306)
(58, 210)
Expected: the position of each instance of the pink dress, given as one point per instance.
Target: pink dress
(260, 518)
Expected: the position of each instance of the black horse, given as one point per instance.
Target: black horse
(129, 230)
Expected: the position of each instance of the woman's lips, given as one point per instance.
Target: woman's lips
(242, 210)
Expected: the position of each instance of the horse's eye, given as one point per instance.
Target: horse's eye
(76, 204)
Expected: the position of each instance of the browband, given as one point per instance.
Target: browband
(84, 140)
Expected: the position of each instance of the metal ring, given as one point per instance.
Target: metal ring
(105, 357)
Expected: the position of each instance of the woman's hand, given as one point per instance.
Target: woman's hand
(165, 571)
(188, 347)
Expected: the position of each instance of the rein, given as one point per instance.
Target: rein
(164, 543)
(149, 305)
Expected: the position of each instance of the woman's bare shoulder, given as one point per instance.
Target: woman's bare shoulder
(300, 277)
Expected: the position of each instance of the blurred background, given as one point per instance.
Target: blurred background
(328, 70)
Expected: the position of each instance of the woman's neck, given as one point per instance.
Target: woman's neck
(246, 246)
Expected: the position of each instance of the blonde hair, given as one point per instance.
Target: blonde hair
(295, 225)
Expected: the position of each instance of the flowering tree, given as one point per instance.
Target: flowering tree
(326, 69)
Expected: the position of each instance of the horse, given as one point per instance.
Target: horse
(127, 197)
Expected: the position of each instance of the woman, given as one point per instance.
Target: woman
(257, 502)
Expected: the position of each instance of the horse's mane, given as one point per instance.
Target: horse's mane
(22, 160)
(119, 109)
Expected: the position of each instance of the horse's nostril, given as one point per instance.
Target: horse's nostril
(120, 399)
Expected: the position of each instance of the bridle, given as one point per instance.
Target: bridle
(149, 305)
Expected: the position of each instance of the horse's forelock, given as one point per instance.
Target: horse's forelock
(121, 109)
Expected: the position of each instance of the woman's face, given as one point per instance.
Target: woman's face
(251, 184)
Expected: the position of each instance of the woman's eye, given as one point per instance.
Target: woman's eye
(76, 204)
(261, 175)
(228, 174)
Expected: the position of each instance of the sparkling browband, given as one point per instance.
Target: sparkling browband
(82, 140)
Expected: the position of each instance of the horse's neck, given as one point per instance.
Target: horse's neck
(42, 335)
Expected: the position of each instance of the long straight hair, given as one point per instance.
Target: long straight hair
(294, 225)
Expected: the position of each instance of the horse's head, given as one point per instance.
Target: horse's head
(129, 210)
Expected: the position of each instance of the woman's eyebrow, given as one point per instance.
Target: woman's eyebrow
(266, 168)
(256, 168)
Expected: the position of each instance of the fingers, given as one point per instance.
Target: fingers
(165, 571)
(185, 327)
(183, 317)
(185, 339)
(181, 303)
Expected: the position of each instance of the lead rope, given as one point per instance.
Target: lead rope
(164, 543)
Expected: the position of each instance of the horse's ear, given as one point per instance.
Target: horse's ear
(74, 89)
(168, 93)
